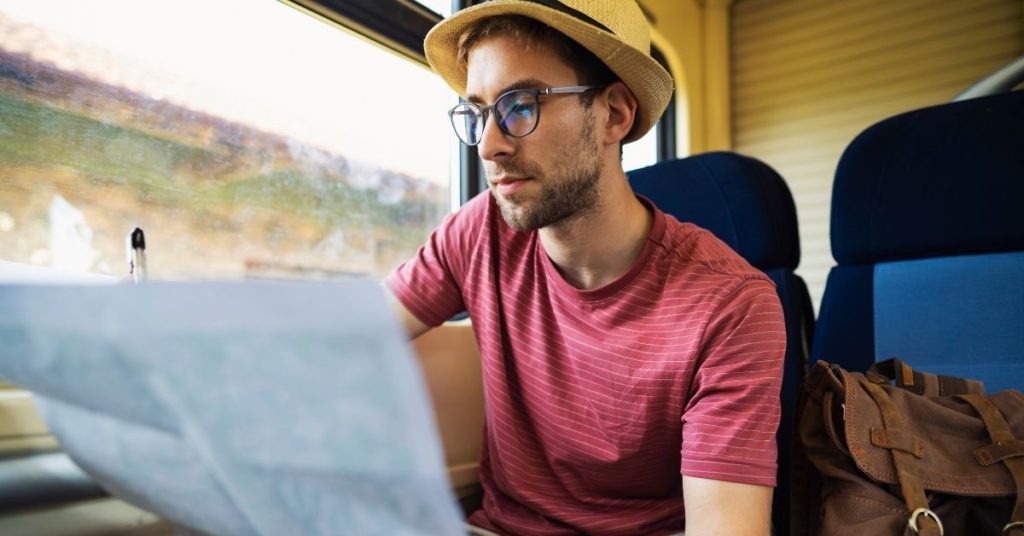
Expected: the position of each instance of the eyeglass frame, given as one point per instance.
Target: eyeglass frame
(485, 111)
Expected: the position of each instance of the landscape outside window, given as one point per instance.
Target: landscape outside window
(248, 140)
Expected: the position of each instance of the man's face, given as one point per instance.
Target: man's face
(551, 175)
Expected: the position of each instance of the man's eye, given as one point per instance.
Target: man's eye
(522, 110)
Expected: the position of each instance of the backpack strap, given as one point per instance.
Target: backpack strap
(922, 520)
(1005, 448)
(921, 383)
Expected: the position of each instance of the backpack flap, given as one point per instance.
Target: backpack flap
(940, 434)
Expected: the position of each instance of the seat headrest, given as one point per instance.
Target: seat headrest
(940, 181)
(741, 200)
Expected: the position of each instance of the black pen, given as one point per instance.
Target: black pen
(135, 246)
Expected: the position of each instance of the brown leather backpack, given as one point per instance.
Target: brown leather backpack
(930, 455)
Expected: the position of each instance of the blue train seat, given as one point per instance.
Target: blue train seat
(747, 205)
(928, 237)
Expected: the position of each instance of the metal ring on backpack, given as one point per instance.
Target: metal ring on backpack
(1013, 525)
(913, 520)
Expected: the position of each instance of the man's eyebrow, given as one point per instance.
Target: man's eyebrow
(526, 83)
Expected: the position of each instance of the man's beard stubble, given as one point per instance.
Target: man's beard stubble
(570, 191)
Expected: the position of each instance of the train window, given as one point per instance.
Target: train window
(658, 143)
(267, 144)
(642, 152)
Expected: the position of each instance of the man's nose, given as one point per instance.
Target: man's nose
(494, 143)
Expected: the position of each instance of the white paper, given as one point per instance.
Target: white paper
(237, 408)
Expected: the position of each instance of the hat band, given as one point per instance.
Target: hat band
(558, 6)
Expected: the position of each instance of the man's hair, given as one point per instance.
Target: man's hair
(590, 71)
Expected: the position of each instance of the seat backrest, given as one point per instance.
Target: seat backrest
(747, 205)
(928, 236)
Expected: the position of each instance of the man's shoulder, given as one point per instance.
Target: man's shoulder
(702, 251)
(478, 224)
(470, 219)
(477, 208)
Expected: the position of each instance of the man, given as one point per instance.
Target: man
(621, 348)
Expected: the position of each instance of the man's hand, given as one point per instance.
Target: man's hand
(715, 507)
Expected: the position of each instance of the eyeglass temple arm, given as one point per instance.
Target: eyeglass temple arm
(570, 89)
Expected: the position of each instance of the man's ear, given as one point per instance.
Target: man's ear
(622, 107)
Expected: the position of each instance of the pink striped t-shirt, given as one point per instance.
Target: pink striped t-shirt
(597, 400)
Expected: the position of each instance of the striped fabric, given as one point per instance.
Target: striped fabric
(597, 400)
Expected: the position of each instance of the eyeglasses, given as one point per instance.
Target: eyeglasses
(517, 113)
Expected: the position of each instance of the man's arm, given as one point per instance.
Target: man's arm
(717, 507)
(729, 425)
(413, 326)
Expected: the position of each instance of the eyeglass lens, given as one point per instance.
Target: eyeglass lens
(516, 113)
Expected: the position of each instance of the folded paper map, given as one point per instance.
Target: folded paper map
(261, 408)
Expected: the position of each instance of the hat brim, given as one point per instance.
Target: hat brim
(648, 80)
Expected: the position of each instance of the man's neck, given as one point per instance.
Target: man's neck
(598, 247)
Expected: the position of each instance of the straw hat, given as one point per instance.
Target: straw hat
(613, 30)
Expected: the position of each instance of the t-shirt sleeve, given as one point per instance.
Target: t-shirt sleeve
(429, 284)
(730, 420)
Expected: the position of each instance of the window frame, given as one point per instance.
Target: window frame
(400, 26)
